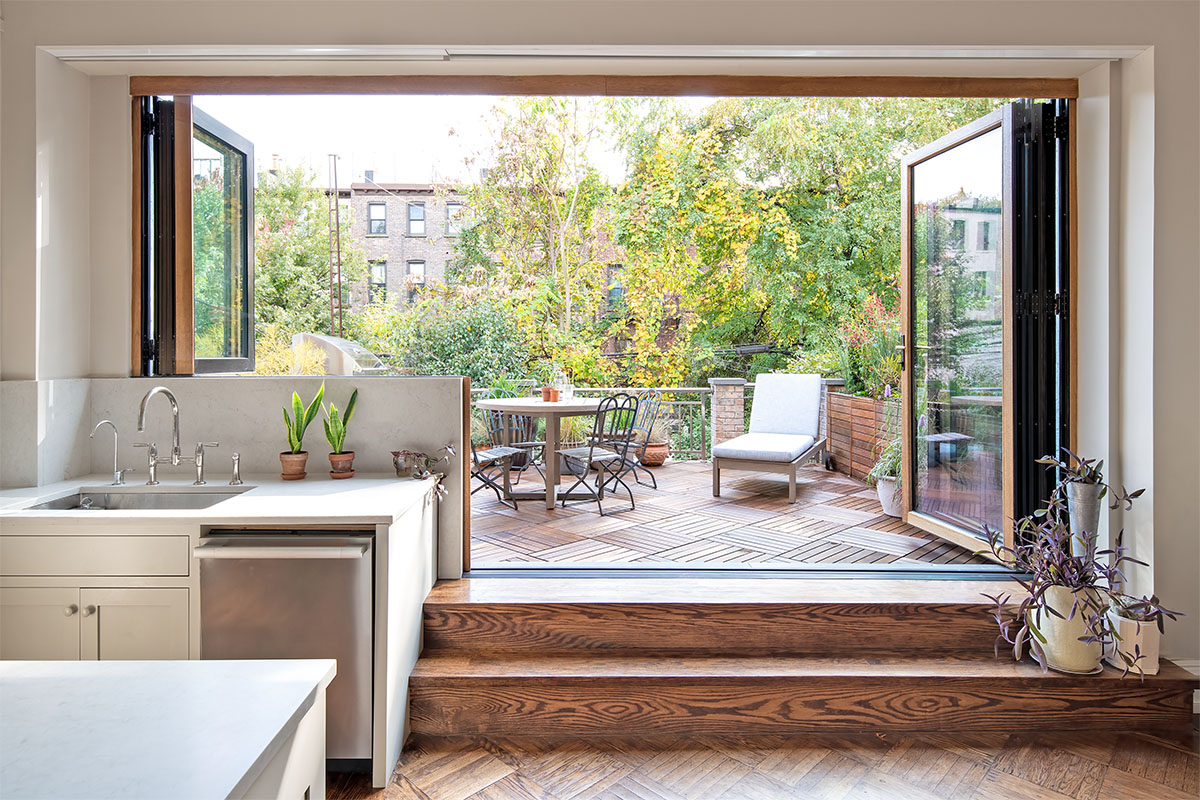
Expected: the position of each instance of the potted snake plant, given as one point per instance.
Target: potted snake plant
(294, 460)
(341, 461)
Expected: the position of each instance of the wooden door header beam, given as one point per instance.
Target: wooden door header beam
(612, 85)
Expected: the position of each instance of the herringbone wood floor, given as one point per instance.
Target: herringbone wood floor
(1053, 766)
(835, 520)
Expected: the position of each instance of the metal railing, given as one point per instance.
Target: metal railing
(686, 409)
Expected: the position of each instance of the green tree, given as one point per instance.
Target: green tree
(291, 253)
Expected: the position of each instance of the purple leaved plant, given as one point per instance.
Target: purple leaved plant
(1042, 549)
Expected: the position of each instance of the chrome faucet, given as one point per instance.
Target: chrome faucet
(141, 425)
(118, 473)
(175, 459)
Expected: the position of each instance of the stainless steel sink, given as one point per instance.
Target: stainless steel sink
(125, 501)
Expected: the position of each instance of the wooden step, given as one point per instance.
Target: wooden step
(713, 616)
(598, 695)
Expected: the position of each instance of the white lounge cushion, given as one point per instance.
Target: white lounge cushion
(782, 447)
(786, 403)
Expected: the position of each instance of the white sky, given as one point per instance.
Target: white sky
(405, 139)
(974, 166)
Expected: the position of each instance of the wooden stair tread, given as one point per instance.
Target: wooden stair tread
(714, 590)
(452, 668)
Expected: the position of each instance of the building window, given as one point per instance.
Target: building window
(416, 220)
(985, 236)
(454, 219)
(377, 279)
(376, 219)
(414, 278)
(616, 285)
(958, 234)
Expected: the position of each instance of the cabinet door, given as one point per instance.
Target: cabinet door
(39, 624)
(134, 624)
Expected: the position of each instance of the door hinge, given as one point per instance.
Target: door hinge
(1061, 126)
(1058, 304)
(148, 121)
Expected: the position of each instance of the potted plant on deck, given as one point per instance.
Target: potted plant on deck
(886, 477)
(1065, 617)
(294, 460)
(657, 445)
(341, 462)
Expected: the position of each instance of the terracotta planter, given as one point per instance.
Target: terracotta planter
(341, 465)
(656, 454)
(293, 465)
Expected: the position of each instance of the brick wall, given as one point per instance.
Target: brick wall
(728, 408)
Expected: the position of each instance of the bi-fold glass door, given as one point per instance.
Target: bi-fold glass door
(984, 279)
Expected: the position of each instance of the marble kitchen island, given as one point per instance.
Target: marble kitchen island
(157, 729)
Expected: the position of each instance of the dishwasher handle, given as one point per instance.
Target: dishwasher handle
(281, 551)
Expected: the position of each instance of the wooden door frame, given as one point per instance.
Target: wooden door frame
(1001, 119)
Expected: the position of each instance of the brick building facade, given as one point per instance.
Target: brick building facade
(407, 232)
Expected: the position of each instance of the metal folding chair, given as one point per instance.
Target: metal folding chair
(609, 440)
(649, 402)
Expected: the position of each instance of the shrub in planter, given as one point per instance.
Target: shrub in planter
(657, 445)
(885, 475)
(1064, 619)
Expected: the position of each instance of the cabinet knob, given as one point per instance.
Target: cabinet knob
(70, 610)
(89, 610)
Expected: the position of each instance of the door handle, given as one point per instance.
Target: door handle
(70, 610)
(901, 347)
(280, 551)
(89, 610)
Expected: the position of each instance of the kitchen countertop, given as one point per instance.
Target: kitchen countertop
(365, 499)
(147, 728)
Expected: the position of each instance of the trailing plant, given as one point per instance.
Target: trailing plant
(1042, 550)
(423, 464)
(300, 419)
(336, 422)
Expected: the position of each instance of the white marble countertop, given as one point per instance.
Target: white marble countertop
(147, 729)
(365, 499)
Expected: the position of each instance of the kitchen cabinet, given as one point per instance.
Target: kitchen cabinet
(65, 624)
(38, 624)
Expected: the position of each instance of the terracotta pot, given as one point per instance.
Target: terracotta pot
(546, 394)
(293, 465)
(341, 465)
(656, 454)
(1064, 652)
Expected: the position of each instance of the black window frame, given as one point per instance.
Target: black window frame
(454, 224)
(217, 129)
(371, 220)
(424, 220)
(374, 287)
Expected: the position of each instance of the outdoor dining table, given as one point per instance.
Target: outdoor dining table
(553, 413)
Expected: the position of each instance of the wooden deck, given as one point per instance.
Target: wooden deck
(836, 521)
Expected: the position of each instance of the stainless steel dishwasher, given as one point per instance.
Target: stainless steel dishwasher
(282, 594)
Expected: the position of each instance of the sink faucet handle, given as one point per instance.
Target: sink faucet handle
(200, 461)
(119, 476)
(151, 461)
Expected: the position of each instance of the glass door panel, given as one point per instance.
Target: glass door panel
(222, 246)
(956, 375)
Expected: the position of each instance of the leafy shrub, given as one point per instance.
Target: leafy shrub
(274, 355)
(871, 362)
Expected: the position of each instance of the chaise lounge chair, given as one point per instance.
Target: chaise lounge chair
(784, 430)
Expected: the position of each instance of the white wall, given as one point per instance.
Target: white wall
(1153, 280)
